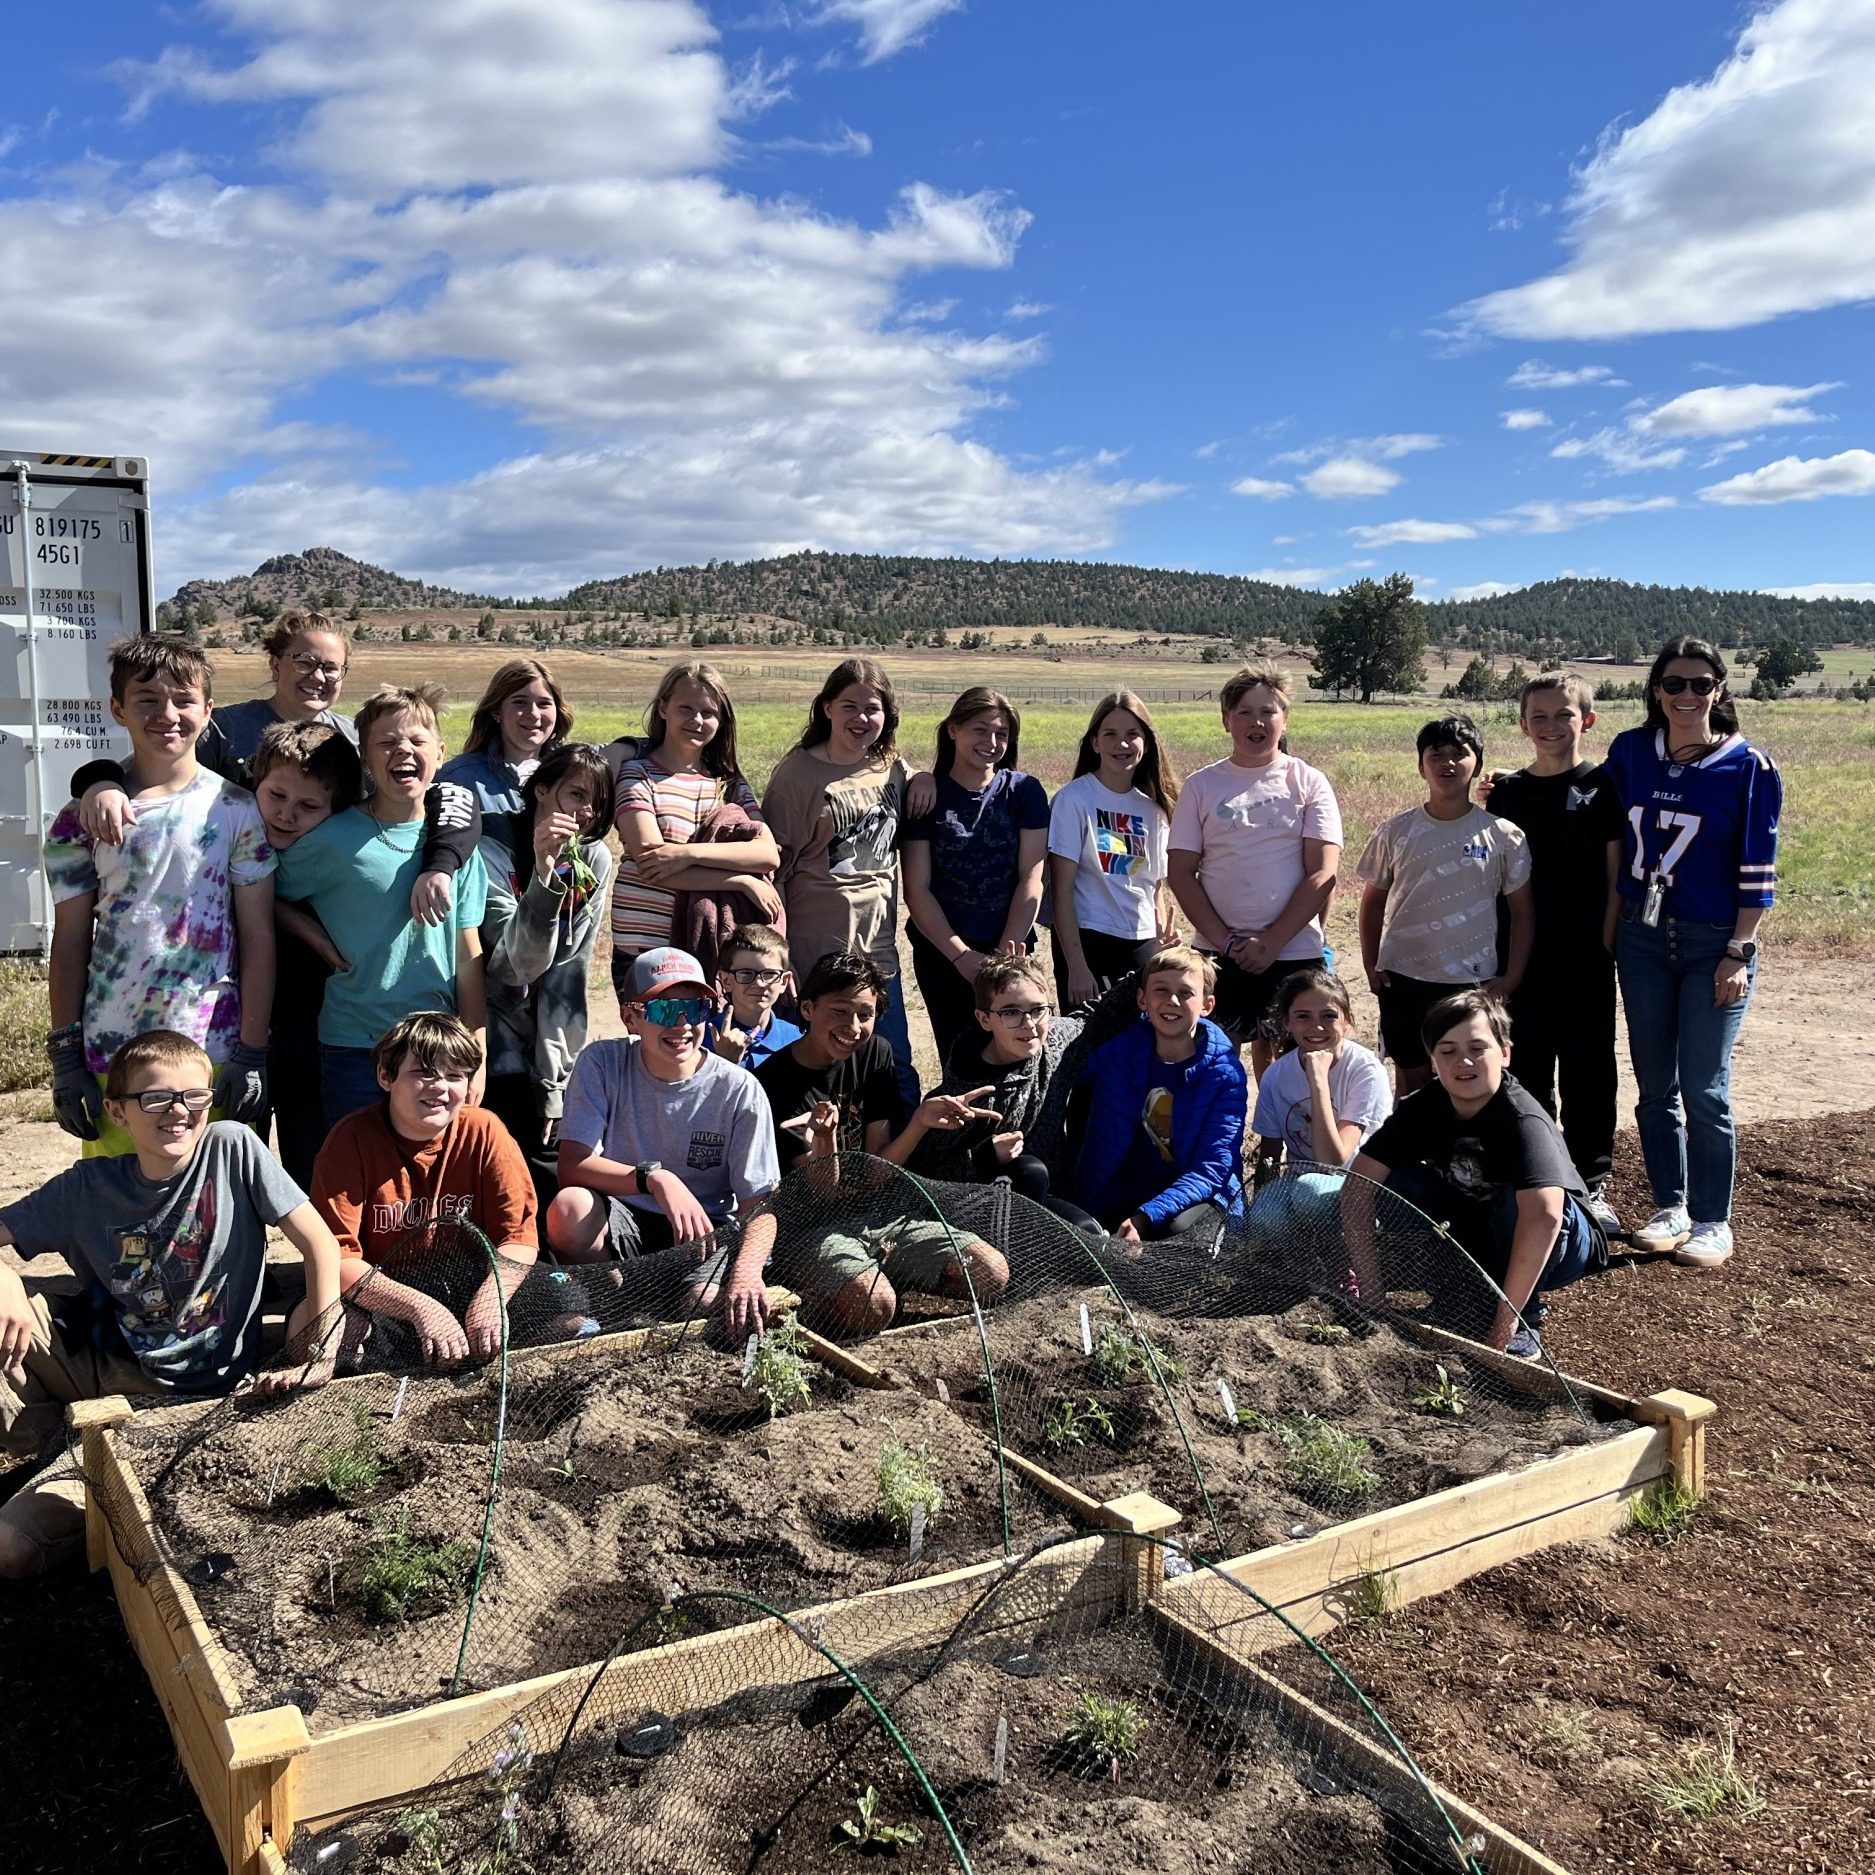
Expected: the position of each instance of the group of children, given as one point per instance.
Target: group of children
(308, 900)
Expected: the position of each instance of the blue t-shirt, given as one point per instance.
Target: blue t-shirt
(975, 842)
(777, 1034)
(500, 788)
(357, 872)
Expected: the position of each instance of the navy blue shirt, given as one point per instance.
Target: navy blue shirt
(975, 845)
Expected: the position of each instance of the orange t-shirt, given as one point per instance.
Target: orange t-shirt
(376, 1188)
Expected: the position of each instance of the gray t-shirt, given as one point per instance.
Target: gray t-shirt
(180, 1260)
(714, 1130)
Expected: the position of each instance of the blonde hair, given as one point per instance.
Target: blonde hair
(719, 757)
(155, 1048)
(1576, 688)
(1182, 957)
(761, 940)
(291, 625)
(423, 701)
(1269, 676)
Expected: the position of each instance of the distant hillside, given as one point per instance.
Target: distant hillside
(887, 599)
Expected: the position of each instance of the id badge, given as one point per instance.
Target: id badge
(1650, 904)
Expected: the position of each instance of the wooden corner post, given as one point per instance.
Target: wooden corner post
(262, 1753)
(1684, 1416)
(93, 1421)
(1140, 1518)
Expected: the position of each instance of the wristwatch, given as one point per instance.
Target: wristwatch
(1742, 950)
(642, 1172)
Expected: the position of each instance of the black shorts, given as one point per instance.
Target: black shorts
(1403, 1006)
(1246, 997)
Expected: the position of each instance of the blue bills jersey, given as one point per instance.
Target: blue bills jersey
(1707, 830)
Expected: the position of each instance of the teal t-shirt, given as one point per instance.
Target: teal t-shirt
(356, 872)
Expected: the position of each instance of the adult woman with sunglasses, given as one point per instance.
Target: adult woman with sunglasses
(1698, 872)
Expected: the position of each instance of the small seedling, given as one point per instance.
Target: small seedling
(1370, 1598)
(400, 1575)
(1077, 1422)
(868, 1830)
(1252, 1421)
(423, 1829)
(780, 1372)
(1120, 1358)
(1325, 1466)
(1665, 1511)
(1105, 1731)
(1441, 1397)
(1570, 1731)
(355, 1466)
(1323, 1332)
(567, 1470)
(905, 1482)
(1703, 1780)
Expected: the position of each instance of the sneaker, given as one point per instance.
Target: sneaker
(1667, 1229)
(1706, 1247)
(1603, 1213)
(1525, 1344)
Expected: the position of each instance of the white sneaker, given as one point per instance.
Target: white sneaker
(1667, 1229)
(1604, 1214)
(1706, 1247)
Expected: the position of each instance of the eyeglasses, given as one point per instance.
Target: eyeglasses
(1699, 686)
(671, 1012)
(166, 1099)
(309, 666)
(754, 979)
(1018, 1013)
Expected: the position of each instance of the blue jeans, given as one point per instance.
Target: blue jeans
(346, 1082)
(1680, 1043)
(893, 1026)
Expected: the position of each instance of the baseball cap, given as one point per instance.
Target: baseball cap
(655, 971)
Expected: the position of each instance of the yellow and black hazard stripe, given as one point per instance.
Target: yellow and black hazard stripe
(77, 462)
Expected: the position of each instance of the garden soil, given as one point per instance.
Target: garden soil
(1542, 1692)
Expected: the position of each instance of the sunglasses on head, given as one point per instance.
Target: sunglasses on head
(163, 1099)
(1699, 686)
(672, 1012)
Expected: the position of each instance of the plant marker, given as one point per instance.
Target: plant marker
(1001, 1765)
(1087, 1331)
(943, 1392)
(917, 1531)
(1227, 1399)
(397, 1405)
(332, 1584)
(273, 1483)
(748, 1359)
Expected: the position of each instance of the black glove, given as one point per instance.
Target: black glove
(241, 1086)
(77, 1099)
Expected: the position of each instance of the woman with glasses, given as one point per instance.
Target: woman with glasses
(1698, 872)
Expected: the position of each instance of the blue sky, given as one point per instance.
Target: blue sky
(512, 293)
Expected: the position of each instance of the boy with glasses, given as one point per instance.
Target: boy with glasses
(663, 1143)
(752, 972)
(171, 1241)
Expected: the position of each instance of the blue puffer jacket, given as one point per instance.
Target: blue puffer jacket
(1209, 1095)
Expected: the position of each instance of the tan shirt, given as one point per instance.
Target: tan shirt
(1442, 879)
(837, 824)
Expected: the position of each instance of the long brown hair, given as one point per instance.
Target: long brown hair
(1724, 717)
(843, 676)
(1155, 777)
(516, 674)
(978, 700)
(719, 756)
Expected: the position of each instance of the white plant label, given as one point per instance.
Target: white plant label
(943, 1392)
(397, 1405)
(1226, 1399)
(748, 1359)
(1001, 1765)
(917, 1531)
(1087, 1331)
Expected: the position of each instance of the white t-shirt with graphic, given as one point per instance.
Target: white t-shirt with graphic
(1442, 879)
(1358, 1089)
(1118, 845)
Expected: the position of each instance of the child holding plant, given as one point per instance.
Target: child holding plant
(1107, 833)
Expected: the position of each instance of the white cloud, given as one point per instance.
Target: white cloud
(1388, 448)
(1524, 419)
(1284, 540)
(1205, 451)
(1561, 517)
(1723, 409)
(1797, 478)
(1620, 450)
(1259, 490)
(1534, 375)
(1027, 309)
(706, 372)
(1412, 533)
(886, 26)
(1486, 589)
(1292, 575)
(1742, 197)
(1827, 589)
(1719, 451)
(1348, 478)
(843, 140)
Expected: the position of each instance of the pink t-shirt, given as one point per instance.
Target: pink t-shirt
(1247, 826)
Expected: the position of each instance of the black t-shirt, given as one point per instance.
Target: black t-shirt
(1570, 820)
(1510, 1144)
(864, 1086)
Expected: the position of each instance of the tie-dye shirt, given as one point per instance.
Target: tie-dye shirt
(163, 952)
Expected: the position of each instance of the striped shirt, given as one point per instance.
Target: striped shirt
(641, 913)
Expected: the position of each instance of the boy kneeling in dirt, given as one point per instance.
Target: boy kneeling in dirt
(393, 1178)
(1475, 1151)
(833, 1092)
(171, 1240)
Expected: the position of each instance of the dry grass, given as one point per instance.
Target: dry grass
(23, 1023)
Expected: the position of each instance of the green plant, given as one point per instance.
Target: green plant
(1120, 1358)
(905, 1482)
(1326, 1466)
(780, 1373)
(1252, 1421)
(1665, 1511)
(424, 1831)
(868, 1831)
(1076, 1422)
(399, 1575)
(1372, 1597)
(1322, 1332)
(1441, 1396)
(354, 1466)
(1570, 1730)
(1105, 1731)
(1701, 1781)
